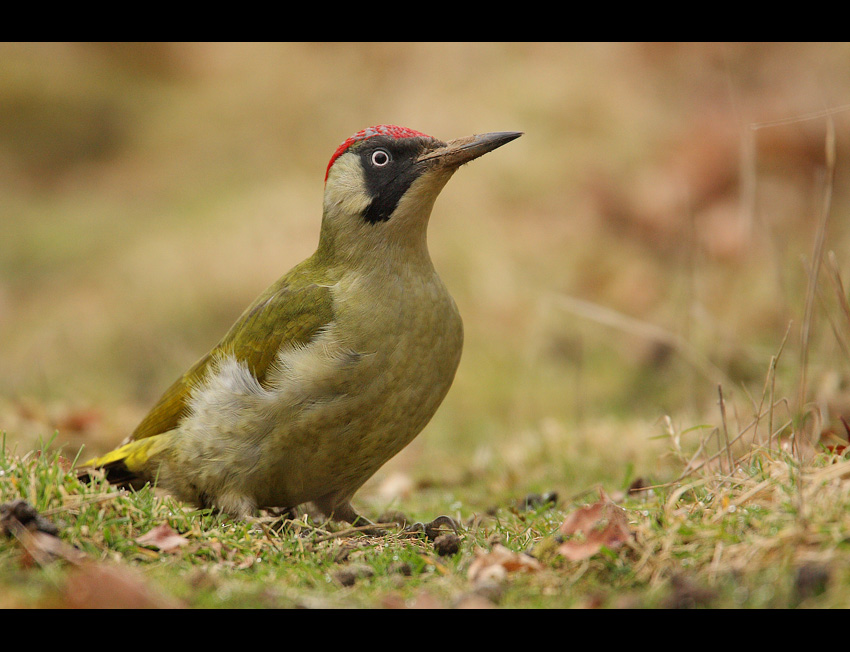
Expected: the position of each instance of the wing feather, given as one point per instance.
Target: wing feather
(286, 313)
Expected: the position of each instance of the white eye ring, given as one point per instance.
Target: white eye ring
(380, 157)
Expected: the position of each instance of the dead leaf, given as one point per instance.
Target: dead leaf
(19, 513)
(425, 600)
(42, 548)
(600, 524)
(79, 420)
(164, 538)
(36, 534)
(496, 564)
(473, 601)
(101, 586)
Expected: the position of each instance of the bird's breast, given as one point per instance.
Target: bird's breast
(409, 323)
(336, 409)
(387, 361)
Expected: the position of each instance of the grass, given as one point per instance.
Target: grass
(222, 562)
(769, 531)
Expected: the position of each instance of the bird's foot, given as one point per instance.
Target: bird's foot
(434, 528)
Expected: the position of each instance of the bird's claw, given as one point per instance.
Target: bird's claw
(433, 529)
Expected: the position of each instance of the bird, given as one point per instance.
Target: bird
(337, 366)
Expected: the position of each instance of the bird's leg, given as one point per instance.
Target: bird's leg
(345, 512)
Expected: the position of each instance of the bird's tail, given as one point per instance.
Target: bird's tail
(129, 465)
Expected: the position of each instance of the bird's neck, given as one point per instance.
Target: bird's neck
(364, 249)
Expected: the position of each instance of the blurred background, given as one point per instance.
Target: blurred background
(647, 239)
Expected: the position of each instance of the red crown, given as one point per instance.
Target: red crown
(378, 130)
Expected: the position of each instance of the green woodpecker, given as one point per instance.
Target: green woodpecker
(334, 368)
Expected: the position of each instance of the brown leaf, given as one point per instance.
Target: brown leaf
(20, 514)
(500, 561)
(426, 600)
(79, 420)
(473, 601)
(100, 586)
(36, 535)
(600, 524)
(163, 537)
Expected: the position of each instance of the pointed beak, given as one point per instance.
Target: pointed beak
(457, 152)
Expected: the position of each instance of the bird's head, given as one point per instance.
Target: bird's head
(381, 184)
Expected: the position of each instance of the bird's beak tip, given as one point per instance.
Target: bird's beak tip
(460, 151)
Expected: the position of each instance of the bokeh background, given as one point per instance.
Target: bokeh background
(646, 240)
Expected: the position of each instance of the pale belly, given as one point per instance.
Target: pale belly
(333, 412)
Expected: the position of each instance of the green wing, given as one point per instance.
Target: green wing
(288, 312)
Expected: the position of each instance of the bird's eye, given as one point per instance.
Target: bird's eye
(380, 157)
